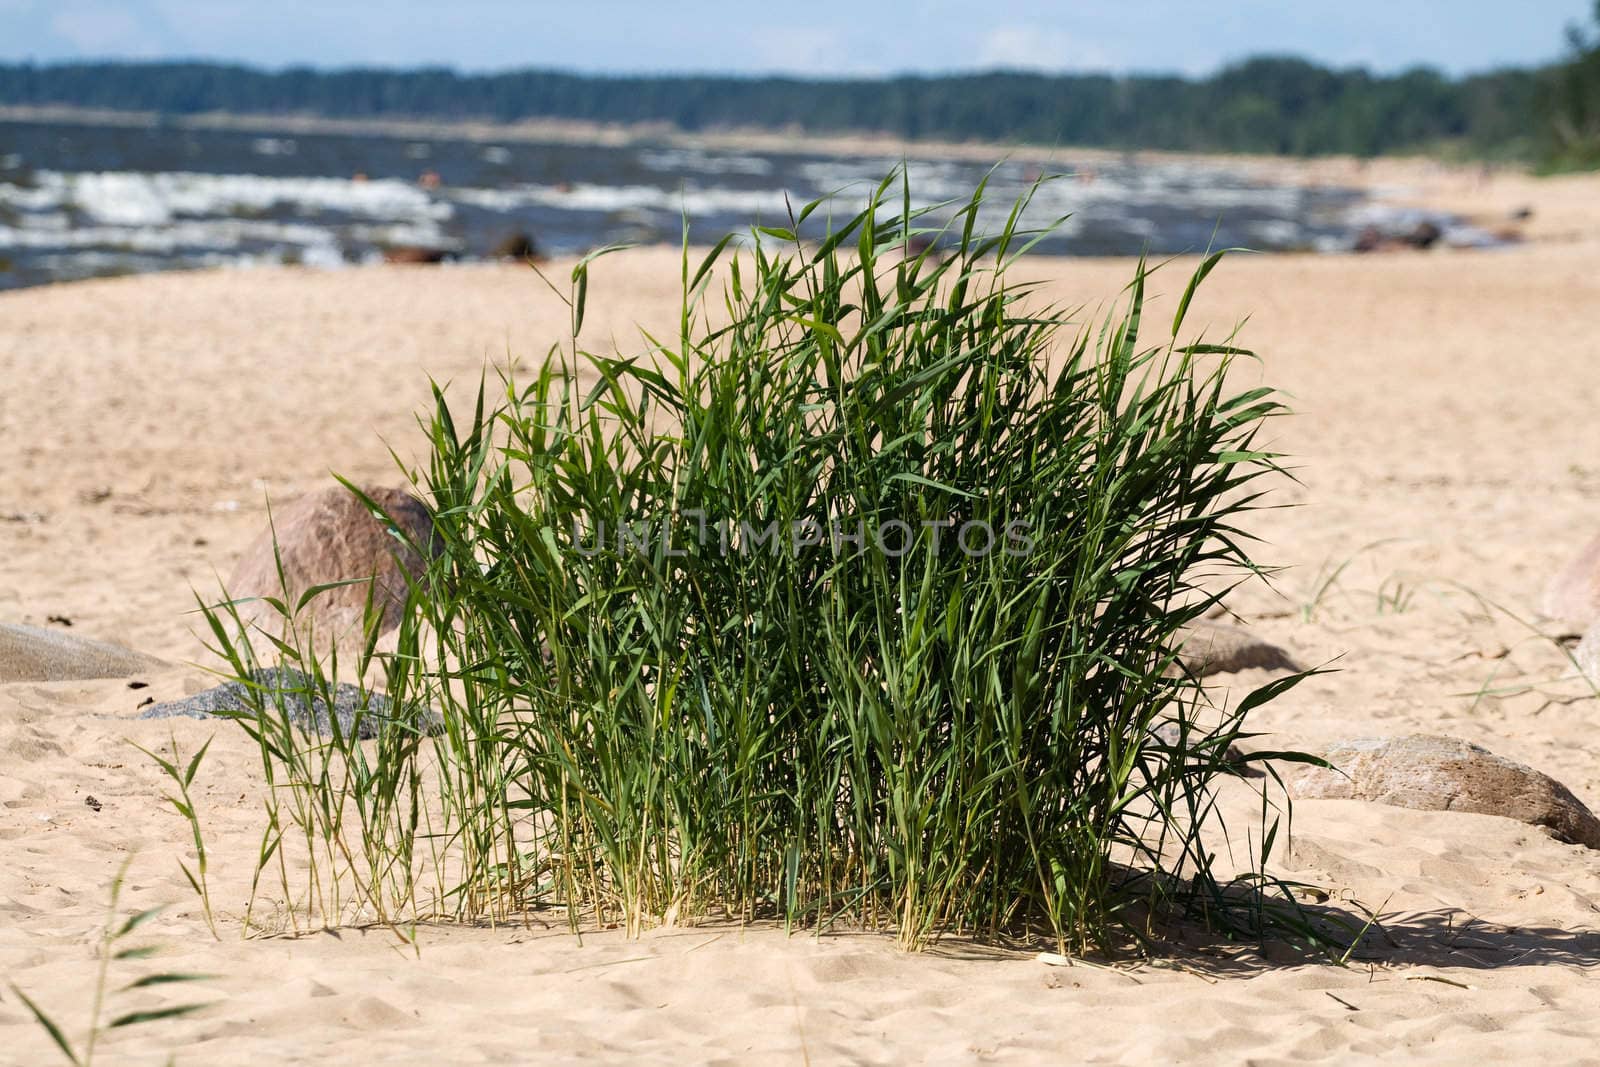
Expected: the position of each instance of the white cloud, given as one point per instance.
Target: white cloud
(797, 50)
(1038, 48)
(96, 29)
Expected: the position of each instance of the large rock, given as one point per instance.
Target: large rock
(1216, 648)
(29, 654)
(330, 536)
(1432, 773)
(1587, 655)
(1573, 596)
(290, 692)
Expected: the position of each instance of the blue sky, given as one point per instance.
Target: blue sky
(825, 37)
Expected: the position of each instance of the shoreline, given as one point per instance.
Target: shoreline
(1315, 169)
(1505, 202)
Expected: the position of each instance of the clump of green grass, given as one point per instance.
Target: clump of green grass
(854, 601)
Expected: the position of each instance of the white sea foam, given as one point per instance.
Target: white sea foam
(679, 160)
(612, 199)
(1279, 233)
(130, 198)
(420, 235)
(26, 198)
(218, 234)
(273, 146)
(1116, 195)
(49, 221)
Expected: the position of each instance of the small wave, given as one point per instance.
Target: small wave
(1276, 233)
(274, 146)
(88, 264)
(678, 160)
(611, 199)
(219, 234)
(130, 198)
(28, 198)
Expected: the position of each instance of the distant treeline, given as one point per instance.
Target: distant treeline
(1276, 105)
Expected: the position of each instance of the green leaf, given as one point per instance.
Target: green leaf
(49, 1027)
(1195, 279)
(826, 329)
(917, 479)
(167, 979)
(194, 764)
(317, 590)
(1285, 756)
(137, 920)
(710, 260)
(140, 952)
(194, 883)
(1274, 689)
(580, 279)
(133, 1018)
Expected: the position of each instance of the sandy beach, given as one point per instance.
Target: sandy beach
(1447, 458)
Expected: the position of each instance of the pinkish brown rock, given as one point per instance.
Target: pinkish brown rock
(1432, 773)
(1573, 596)
(1587, 655)
(330, 536)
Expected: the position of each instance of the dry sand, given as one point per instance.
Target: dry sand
(1446, 442)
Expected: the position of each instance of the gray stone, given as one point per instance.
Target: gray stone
(295, 692)
(29, 654)
(1431, 773)
(1208, 648)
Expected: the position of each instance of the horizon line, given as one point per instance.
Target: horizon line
(778, 74)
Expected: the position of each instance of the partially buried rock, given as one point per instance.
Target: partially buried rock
(1587, 655)
(1432, 773)
(517, 246)
(1216, 648)
(1573, 596)
(1424, 235)
(330, 536)
(416, 255)
(1172, 735)
(283, 690)
(29, 654)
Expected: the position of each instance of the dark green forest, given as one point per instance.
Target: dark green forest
(1269, 104)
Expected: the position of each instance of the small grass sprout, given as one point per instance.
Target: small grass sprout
(114, 948)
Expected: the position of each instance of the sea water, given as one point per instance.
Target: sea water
(80, 200)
